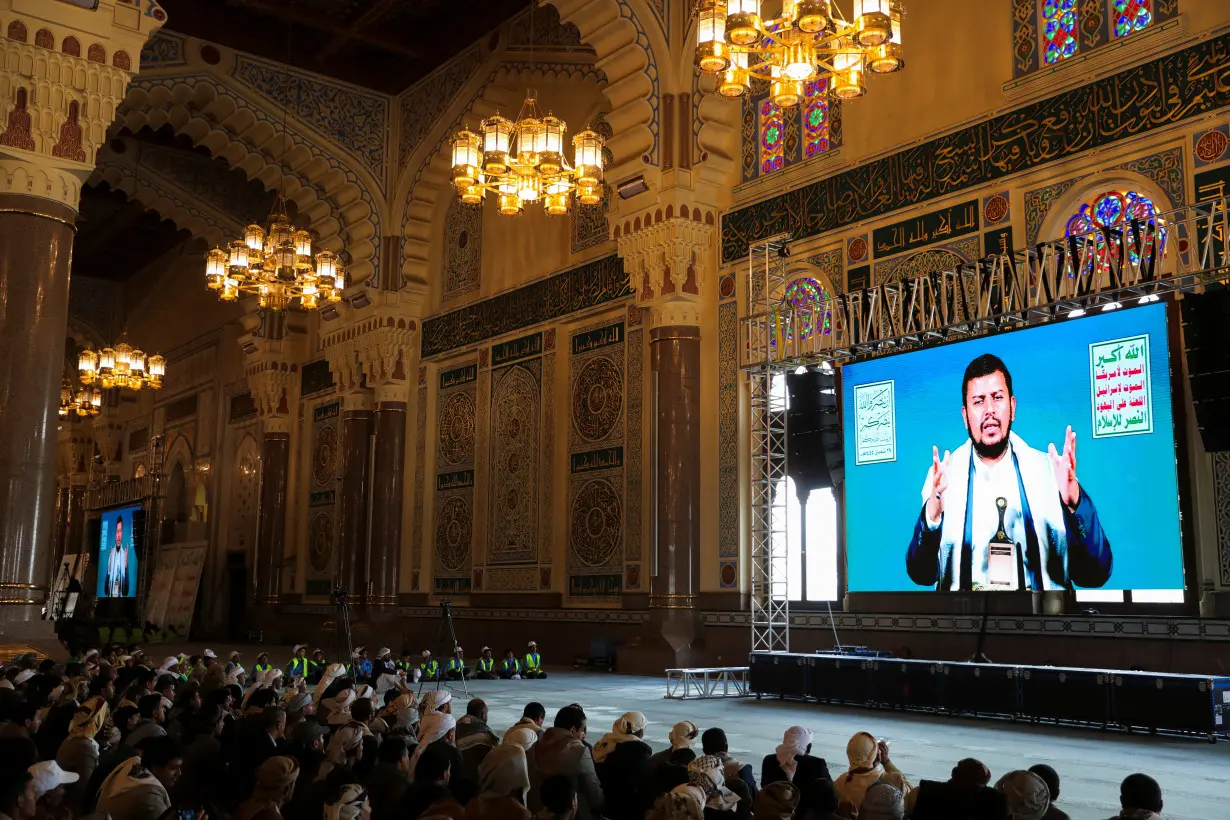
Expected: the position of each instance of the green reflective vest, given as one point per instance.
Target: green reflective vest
(533, 661)
(486, 664)
(430, 669)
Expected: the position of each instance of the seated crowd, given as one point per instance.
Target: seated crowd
(118, 735)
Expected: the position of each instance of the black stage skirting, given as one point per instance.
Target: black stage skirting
(1155, 701)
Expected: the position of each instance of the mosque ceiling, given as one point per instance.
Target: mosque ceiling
(386, 45)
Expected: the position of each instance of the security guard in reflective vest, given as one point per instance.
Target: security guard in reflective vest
(485, 668)
(262, 664)
(533, 663)
(429, 669)
(456, 668)
(316, 667)
(405, 664)
(510, 668)
(298, 666)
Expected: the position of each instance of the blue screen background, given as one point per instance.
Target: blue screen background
(1132, 479)
(107, 544)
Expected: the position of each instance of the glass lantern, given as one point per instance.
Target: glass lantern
(497, 137)
(467, 147)
(587, 146)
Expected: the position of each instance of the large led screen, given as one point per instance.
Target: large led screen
(117, 554)
(1039, 459)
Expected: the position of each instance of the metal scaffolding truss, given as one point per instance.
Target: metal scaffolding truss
(770, 601)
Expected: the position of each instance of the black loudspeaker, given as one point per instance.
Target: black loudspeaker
(813, 430)
(1205, 319)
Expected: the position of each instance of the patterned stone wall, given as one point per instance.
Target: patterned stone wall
(323, 472)
(515, 435)
(633, 544)
(728, 442)
(420, 453)
(463, 249)
(454, 491)
(596, 462)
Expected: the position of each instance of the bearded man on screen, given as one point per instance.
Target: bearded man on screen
(117, 564)
(1000, 515)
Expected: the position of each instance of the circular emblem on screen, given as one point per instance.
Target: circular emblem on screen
(857, 249)
(597, 399)
(453, 533)
(457, 428)
(320, 540)
(1211, 146)
(996, 208)
(595, 523)
(324, 455)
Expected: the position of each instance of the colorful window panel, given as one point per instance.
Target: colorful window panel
(816, 118)
(1130, 16)
(1059, 30)
(806, 299)
(1113, 209)
(772, 138)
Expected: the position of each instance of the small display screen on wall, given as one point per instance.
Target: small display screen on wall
(1040, 459)
(119, 541)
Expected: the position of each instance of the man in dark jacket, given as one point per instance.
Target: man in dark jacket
(474, 738)
(933, 800)
(621, 759)
(389, 779)
(793, 761)
(562, 750)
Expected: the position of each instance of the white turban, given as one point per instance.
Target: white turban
(167, 663)
(432, 727)
(683, 735)
(521, 736)
(349, 805)
(795, 742)
(1027, 795)
(332, 672)
(436, 700)
(343, 742)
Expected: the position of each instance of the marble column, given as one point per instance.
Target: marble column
(271, 526)
(356, 485)
(36, 241)
(388, 489)
(675, 577)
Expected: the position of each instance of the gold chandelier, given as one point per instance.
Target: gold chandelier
(811, 40)
(276, 264)
(121, 366)
(79, 403)
(523, 161)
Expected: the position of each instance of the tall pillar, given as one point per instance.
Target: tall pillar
(274, 382)
(356, 484)
(675, 358)
(58, 112)
(271, 524)
(388, 490)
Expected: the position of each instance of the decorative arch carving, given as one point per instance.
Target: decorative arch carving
(1066, 204)
(343, 212)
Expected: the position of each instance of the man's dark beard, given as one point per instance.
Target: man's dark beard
(991, 452)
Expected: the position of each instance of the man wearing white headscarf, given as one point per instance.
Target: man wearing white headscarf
(332, 672)
(869, 764)
(1026, 794)
(520, 736)
(349, 802)
(705, 773)
(401, 714)
(345, 749)
(504, 782)
(793, 761)
(621, 759)
(433, 726)
(682, 736)
(438, 700)
(882, 801)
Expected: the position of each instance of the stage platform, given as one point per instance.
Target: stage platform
(1194, 775)
(1105, 698)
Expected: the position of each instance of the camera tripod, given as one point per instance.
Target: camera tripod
(446, 641)
(343, 638)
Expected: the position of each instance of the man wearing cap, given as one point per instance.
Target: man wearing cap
(510, 667)
(49, 783)
(429, 669)
(262, 665)
(533, 663)
(405, 663)
(308, 747)
(456, 669)
(298, 666)
(275, 783)
(484, 669)
(362, 666)
(209, 657)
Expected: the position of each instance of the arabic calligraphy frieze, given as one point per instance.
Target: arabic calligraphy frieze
(455, 481)
(1162, 92)
(606, 458)
(944, 224)
(582, 287)
(516, 349)
(594, 339)
(460, 375)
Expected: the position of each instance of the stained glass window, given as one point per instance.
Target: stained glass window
(806, 299)
(772, 138)
(1113, 209)
(1131, 15)
(1059, 30)
(815, 118)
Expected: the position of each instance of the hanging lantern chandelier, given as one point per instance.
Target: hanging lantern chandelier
(122, 366)
(276, 264)
(810, 41)
(79, 403)
(523, 161)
